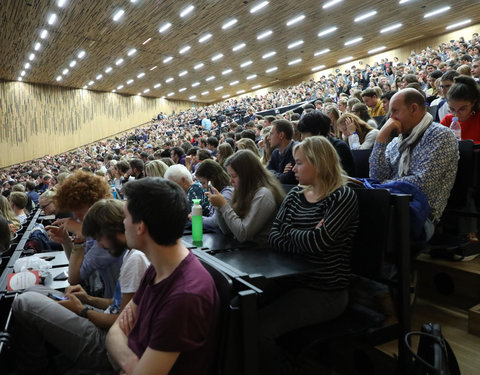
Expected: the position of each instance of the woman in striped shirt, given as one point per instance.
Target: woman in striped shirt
(317, 221)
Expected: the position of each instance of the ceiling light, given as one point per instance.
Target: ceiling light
(186, 11)
(345, 59)
(59, 78)
(205, 92)
(157, 85)
(458, 24)
(234, 83)
(199, 66)
(99, 77)
(72, 63)
(295, 20)
(182, 89)
(153, 68)
(218, 88)
(84, 87)
(252, 76)
(211, 78)
(390, 28)
(133, 1)
(114, 90)
(118, 14)
(37, 46)
(225, 96)
(192, 97)
(293, 62)
(140, 75)
(322, 52)
(165, 27)
(20, 79)
(327, 31)
(31, 57)
(318, 67)
(65, 71)
(195, 84)
(259, 6)
(183, 73)
(378, 49)
(91, 83)
(295, 44)
(353, 41)
(22, 73)
(44, 34)
(264, 34)
(148, 40)
(331, 3)
(81, 54)
(133, 51)
(27, 66)
(238, 47)
(120, 87)
(167, 59)
(246, 63)
(119, 61)
(146, 90)
(61, 3)
(230, 23)
(170, 94)
(184, 49)
(217, 57)
(204, 38)
(256, 87)
(169, 79)
(269, 70)
(130, 81)
(269, 54)
(52, 19)
(139, 93)
(240, 92)
(403, 1)
(227, 71)
(365, 16)
(435, 12)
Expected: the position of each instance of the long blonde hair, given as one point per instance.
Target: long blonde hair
(320, 152)
(7, 211)
(361, 127)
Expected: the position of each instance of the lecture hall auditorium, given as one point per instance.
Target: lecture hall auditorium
(97, 95)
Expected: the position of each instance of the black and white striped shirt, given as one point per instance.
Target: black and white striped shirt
(329, 246)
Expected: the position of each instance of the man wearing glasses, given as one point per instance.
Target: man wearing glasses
(441, 103)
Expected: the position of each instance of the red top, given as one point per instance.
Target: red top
(470, 128)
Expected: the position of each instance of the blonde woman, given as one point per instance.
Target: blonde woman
(155, 168)
(349, 124)
(7, 212)
(317, 221)
(248, 144)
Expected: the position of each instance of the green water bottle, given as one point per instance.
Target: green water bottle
(197, 221)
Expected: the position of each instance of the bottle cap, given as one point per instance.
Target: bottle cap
(196, 201)
(454, 119)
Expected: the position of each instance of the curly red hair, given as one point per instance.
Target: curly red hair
(79, 190)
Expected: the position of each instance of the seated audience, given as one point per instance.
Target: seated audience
(32, 194)
(5, 234)
(211, 171)
(170, 324)
(374, 104)
(42, 320)
(248, 144)
(361, 110)
(18, 202)
(45, 202)
(178, 155)
(317, 221)
(464, 102)
(318, 123)
(155, 168)
(281, 161)
(350, 124)
(7, 212)
(136, 168)
(256, 197)
(224, 151)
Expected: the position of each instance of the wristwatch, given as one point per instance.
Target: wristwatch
(84, 311)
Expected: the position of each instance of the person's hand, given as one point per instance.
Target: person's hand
(72, 303)
(351, 128)
(70, 225)
(320, 223)
(216, 199)
(57, 234)
(126, 320)
(387, 129)
(288, 168)
(78, 292)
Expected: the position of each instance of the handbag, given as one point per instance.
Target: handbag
(434, 355)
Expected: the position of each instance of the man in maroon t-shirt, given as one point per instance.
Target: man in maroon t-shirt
(170, 325)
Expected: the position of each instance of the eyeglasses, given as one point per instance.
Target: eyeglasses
(45, 205)
(445, 86)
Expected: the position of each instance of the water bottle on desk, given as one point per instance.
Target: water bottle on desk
(113, 190)
(354, 141)
(456, 128)
(197, 221)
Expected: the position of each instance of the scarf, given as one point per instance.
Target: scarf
(406, 145)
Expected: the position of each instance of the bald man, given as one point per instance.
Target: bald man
(423, 154)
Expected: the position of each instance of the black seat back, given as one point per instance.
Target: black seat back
(465, 176)
(360, 159)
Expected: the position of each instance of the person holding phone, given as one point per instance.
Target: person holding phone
(256, 197)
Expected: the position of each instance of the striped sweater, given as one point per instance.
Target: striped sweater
(329, 246)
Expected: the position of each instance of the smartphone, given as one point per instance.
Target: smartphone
(210, 187)
(56, 297)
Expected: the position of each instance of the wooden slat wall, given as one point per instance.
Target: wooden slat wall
(38, 120)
